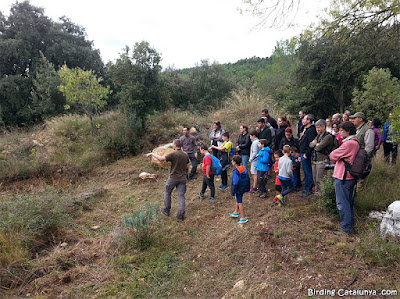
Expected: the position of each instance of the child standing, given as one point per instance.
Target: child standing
(296, 167)
(254, 149)
(285, 174)
(262, 166)
(240, 185)
(225, 150)
(208, 178)
(278, 188)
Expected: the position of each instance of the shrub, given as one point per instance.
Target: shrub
(141, 224)
(327, 194)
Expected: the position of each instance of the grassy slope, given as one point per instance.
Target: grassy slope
(281, 252)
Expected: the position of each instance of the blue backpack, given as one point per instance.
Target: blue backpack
(216, 166)
(244, 183)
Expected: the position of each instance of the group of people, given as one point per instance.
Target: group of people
(271, 149)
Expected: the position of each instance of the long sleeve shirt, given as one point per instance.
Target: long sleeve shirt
(189, 144)
(347, 151)
(254, 150)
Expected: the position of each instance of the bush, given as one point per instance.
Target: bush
(327, 194)
(141, 224)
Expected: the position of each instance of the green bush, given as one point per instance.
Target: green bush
(327, 194)
(141, 223)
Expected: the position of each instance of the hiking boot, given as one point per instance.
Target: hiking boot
(211, 200)
(165, 212)
(306, 193)
(234, 215)
(192, 177)
(243, 220)
(263, 195)
(180, 217)
(280, 199)
(201, 195)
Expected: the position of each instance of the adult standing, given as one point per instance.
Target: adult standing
(337, 117)
(329, 128)
(335, 128)
(216, 136)
(264, 132)
(270, 119)
(346, 115)
(322, 146)
(283, 123)
(243, 145)
(189, 146)
(177, 177)
(306, 137)
(253, 159)
(289, 139)
(344, 182)
(389, 147)
(365, 134)
(300, 126)
(376, 127)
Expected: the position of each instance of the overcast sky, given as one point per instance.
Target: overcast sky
(183, 31)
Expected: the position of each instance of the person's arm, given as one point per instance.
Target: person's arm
(369, 140)
(313, 143)
(212, 135)
(222, 131)
(221, 148)
(312, 136)
(380, 140)
(325, 142)
(158, 157)
(208, 170)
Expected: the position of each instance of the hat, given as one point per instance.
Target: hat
(358, 114)
(320, 123)
(289, 130)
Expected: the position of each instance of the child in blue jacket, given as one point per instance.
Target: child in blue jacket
(240, 185)
(262, 166)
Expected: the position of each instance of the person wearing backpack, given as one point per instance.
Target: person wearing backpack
(208, 178)
(226, 151)
(240, 185)
(365, 134)
(344, 181)
(322, 146)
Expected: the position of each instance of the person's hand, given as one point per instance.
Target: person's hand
(238, 148)
(305, 156)
(314, 142)
(208, 176)
(148, 155)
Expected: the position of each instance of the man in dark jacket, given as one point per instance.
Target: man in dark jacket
(300, 126)
(306, 137)
(264, 132)
(270, 119)
(243, 145)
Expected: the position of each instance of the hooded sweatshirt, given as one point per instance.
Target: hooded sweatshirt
(240, 180)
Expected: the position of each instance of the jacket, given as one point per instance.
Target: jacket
(240, 180)
(216, 136)
(366, 137)
(322, 148)
(265, 134)
(280, 134)
(347, 151)
(244, 143)
(254, 150)
(309, 134)
(263, 159)
(292, 142)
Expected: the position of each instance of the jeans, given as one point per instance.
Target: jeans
(390, 148)
(287, 187)
(245, 161)
(308, 177)
(210, 183)
(345, 203)
(194, 161)
(180, 185)
(262, 180)
(294, 179)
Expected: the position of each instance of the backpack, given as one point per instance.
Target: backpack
(232, 152)
(244, 183)
(361, 166)
(216, 166)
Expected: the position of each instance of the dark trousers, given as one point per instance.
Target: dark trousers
(308, 177)
(210, 183)
(390, 148)
(287, 187)
(180, 185)
(262, 180)
(224, 177)
(296, 171)
(345, 203)
(194, 161)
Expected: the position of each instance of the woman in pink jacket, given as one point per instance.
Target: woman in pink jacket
(344, 182)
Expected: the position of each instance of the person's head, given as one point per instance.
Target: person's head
(286, 150)
(253, 134)
(301, 114)
(277, 155)
(203, 149)
(335, 126)
(261, 123)
(320, 126)
(347, 128)
(225, 136)
(328, 123)
(236, 160)
(264, 113)
(217, 125)
(244, 129)
(358, 119)
(347, 112)
(293, 151)
(262, 143)
(288, 133)
(176, 144)
(346, 117)
(376, 122)
(337, 117)
(308, 120)
(370, 123)
(283, 121)
(186, 131)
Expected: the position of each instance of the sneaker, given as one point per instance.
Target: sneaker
(165, 212)
(192, 177)
(211, 200)
(276, 200)
(280, 199)
(221, 187)
(253, 190)
(234, 215)
(201, 195)
(263, 195)
(180, 217)
(243, 220)
(306, 193)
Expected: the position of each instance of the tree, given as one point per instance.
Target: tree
(83, 88)
(379, 95)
